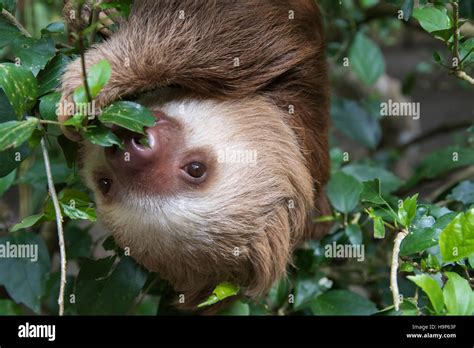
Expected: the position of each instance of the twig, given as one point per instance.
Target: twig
(83, 61)
(52, 191)
(49, 122)
(457, 69)
(463, 76)
(59, 221)
(442, 129)
(92, 22)
(458, 176)
(13, 21)
(394, 268)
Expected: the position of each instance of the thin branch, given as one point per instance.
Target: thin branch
(52, 190)
(92, 22)
(457, 69)
(463, 76)
(456, 31)
(394, 268)
(50, 122)
(14, 21)
(83, 60)
(59, 222)
(442, 129)
(456, 177)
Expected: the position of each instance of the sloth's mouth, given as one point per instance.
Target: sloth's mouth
(104, 184)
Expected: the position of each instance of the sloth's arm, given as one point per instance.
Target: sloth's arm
(210, 48)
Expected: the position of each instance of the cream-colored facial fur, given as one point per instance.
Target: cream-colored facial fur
(243, 226)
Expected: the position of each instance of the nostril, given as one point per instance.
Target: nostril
(143, 143)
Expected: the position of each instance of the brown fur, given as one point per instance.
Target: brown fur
(282, 63)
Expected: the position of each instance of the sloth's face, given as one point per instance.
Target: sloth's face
(214, 180)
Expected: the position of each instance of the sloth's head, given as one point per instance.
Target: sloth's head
(221, 192)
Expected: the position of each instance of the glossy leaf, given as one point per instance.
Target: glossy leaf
(15, 133)
(457, 239)
(20, 87)
(366, 59)
(430, 288)
(129, 115)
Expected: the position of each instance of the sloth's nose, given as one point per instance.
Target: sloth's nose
(139, 150)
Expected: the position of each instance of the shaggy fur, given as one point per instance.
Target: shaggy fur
(263, 210)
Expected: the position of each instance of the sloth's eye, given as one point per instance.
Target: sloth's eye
(104, 185)
(195, 169)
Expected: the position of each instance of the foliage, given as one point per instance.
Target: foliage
(371, 203)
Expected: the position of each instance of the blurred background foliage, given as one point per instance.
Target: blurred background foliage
(389, 174)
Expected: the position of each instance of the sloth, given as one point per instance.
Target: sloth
(233, 175)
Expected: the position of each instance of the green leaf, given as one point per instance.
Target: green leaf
(354, 121)
(19, 86)
(365, 172)
(354, 233)
(444, 34)
(70, 149)
(407, 8)
(12, 158)
(457, 295)
(437, 58)
(129, 115)
(75, 121)
(8, 32)
(431, 18)
(307, 288)
(342, 302)
(422, 238)
(278, 293)
(466, 51)
(441, 162)
(343, 192)
(102, 289)
(431, 288)
(371, 192)
(97, 77)
(8, 5)
(407, 307)
(6, 182)
(23, 277)
(102, 136)
(27, 222)
(53, 28)
(8, 307)
(74, 204)
(463, 192)
(50, 78)
(6, 111)
(457, 239)
(236, 308)
(366, 59)
(379, 227)
(48, 106)
(34, 54)
(79, 212)
(220, 292)
(407, 211)
(78, 242)
(15, 133)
